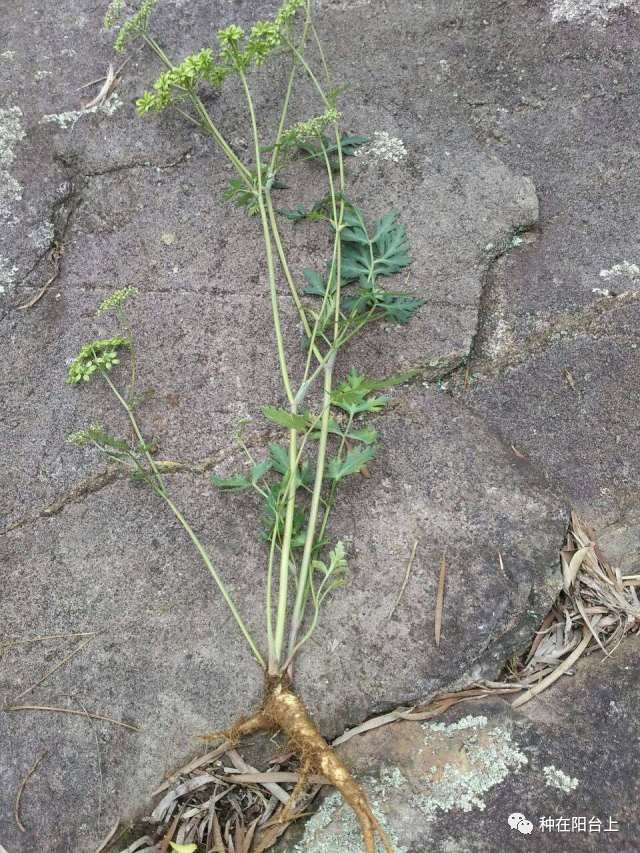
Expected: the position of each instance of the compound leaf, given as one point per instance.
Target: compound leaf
(352, 463)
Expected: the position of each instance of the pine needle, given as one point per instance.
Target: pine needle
(440, 598)
(405, 580)
(21, 787)
(73, 712)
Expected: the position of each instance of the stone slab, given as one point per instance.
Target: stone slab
(452, 783)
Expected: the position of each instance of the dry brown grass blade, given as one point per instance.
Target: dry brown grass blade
(248, 838)
(73, 712)
(167, 804)
(58, 666)
(373, 723)
(108, 837)
(267, 836)
(201, 761)
(105, 90)
(241, 765)
(440, 598)
(164, 844)
(20, 791)
(35, 299)
(279, 777)
(556, 673)
(405, 579)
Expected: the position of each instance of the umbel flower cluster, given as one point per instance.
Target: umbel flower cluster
(236, 51)
(98, 355)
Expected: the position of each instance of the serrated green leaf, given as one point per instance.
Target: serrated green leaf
(316, 285)
(367, 435)
(348, 146)
(286, 419)
(279, 458)
(295, 214)
(258, 471)
(352, 395)
(352, 463)
(382, 254)
(237, 483)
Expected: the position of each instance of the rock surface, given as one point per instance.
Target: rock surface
(492, 123)
(565, 763)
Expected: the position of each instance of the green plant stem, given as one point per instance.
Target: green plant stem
(273, 663)
(303, 576)
(285, 550)
(214, 574)
(289, 90)
(297, 617)
(200, 108)
(162, 492)
(136, 430)
(287, 273)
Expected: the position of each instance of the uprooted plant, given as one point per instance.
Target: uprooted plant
(326, 441)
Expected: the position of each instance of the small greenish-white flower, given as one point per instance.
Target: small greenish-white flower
(230, 40)
(287, 11)
(117, 299)
(98, 355)
(310, 129)
(264, 38)
(113, 15)
(134, 26)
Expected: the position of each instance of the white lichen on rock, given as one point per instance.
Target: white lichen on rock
(594, 10)
(69, 118)
(555, 778)
(8, 272)
(623, 270)
(11, 132)
(42, 235)
(383, 146)
(462, 785)
(334, 828)
(479, 758)
(465, 723)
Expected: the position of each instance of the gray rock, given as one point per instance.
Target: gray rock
(453, 782)
(138, 202)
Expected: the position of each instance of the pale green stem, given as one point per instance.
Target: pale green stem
(204, 115)
(287, 97)
(287, 274)
(214, 574)
(273, 664)
(285, 551)
(161, 491)
(136, 430)
(303, 576)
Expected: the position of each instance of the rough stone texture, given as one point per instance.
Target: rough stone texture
(451, 784)
(545, 107)
(489, 116)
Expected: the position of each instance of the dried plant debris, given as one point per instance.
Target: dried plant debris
(227, 806)
(223, 805)
(596, 609)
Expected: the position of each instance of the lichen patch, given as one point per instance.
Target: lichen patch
(622, 270)
(589, 10)
(8, 272)
(485, 760)
(555, 778)
(68, 119)
(383, 147)
(11, 132)
(334, 827)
